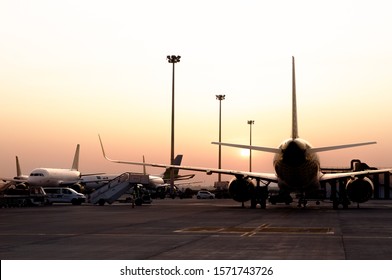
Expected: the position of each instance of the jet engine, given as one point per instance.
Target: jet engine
(21, 186)
(241, 189)
(77, 187)
(359, 189)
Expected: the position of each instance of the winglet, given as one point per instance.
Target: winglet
(294, 132)
(75, 164)
(103, 151)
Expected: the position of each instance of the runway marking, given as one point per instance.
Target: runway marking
(253, 232)
(264, 228)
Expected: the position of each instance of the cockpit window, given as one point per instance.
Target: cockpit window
(37, 174)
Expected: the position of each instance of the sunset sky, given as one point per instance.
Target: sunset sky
(72, 69)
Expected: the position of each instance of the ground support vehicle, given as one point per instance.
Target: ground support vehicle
(21, 196)
(64, 195)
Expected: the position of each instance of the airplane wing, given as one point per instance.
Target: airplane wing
(82, 181)
(257, 148)
(271, 177)
(334, 176)
(92, 174)
(13, 180)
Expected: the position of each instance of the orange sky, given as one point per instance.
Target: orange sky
(74, 69)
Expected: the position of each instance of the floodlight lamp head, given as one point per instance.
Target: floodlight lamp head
(173, 58)
(220, 97)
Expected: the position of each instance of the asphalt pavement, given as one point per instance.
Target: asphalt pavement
(190, 229)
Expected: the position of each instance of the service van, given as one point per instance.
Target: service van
(64, 195)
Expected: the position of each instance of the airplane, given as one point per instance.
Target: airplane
(297, 170)
(95, 181)
(54, 177)
(51, 177)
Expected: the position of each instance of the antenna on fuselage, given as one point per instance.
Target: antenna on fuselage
(294, 132)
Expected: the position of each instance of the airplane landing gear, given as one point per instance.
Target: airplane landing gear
(340, 198)
(302, 202)
(261, 200)
(260, 196)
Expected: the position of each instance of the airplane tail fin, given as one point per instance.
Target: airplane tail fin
(75, 164)
(144, 167)
(337, 147)
(294, 132)
(18, 169)
(20, 178)
(177, 161)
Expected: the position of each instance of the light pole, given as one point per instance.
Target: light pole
(172, 59)
(251, 122)
(220, 97)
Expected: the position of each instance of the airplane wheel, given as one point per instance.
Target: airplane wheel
(101, 202)
(253, 204)
(138, 202)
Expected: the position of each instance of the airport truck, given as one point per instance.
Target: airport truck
(21, 196)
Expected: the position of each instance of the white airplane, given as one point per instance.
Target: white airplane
(50, 177)
(297, 170)
(96, 181)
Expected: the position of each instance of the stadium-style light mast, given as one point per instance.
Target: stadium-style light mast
(172, 59)
(220, 97)
(250, 122)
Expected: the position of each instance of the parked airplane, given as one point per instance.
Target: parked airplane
(50, 177)
(297, 170)
(96, 181)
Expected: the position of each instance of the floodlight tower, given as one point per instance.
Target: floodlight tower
(250, 122)
(220, 97)
(172, 59)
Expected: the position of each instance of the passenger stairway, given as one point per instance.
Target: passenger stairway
(115, 188)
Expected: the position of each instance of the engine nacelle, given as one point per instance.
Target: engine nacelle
(21, 186)
(359, 189)
(77, 187)
(241, 189)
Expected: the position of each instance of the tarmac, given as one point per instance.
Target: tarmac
(191, 229)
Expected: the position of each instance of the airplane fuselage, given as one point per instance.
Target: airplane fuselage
(297, 167)
(156, 181)
(52, 177)
(96, 181)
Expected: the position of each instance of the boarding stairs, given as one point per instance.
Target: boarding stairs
(115, 188)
